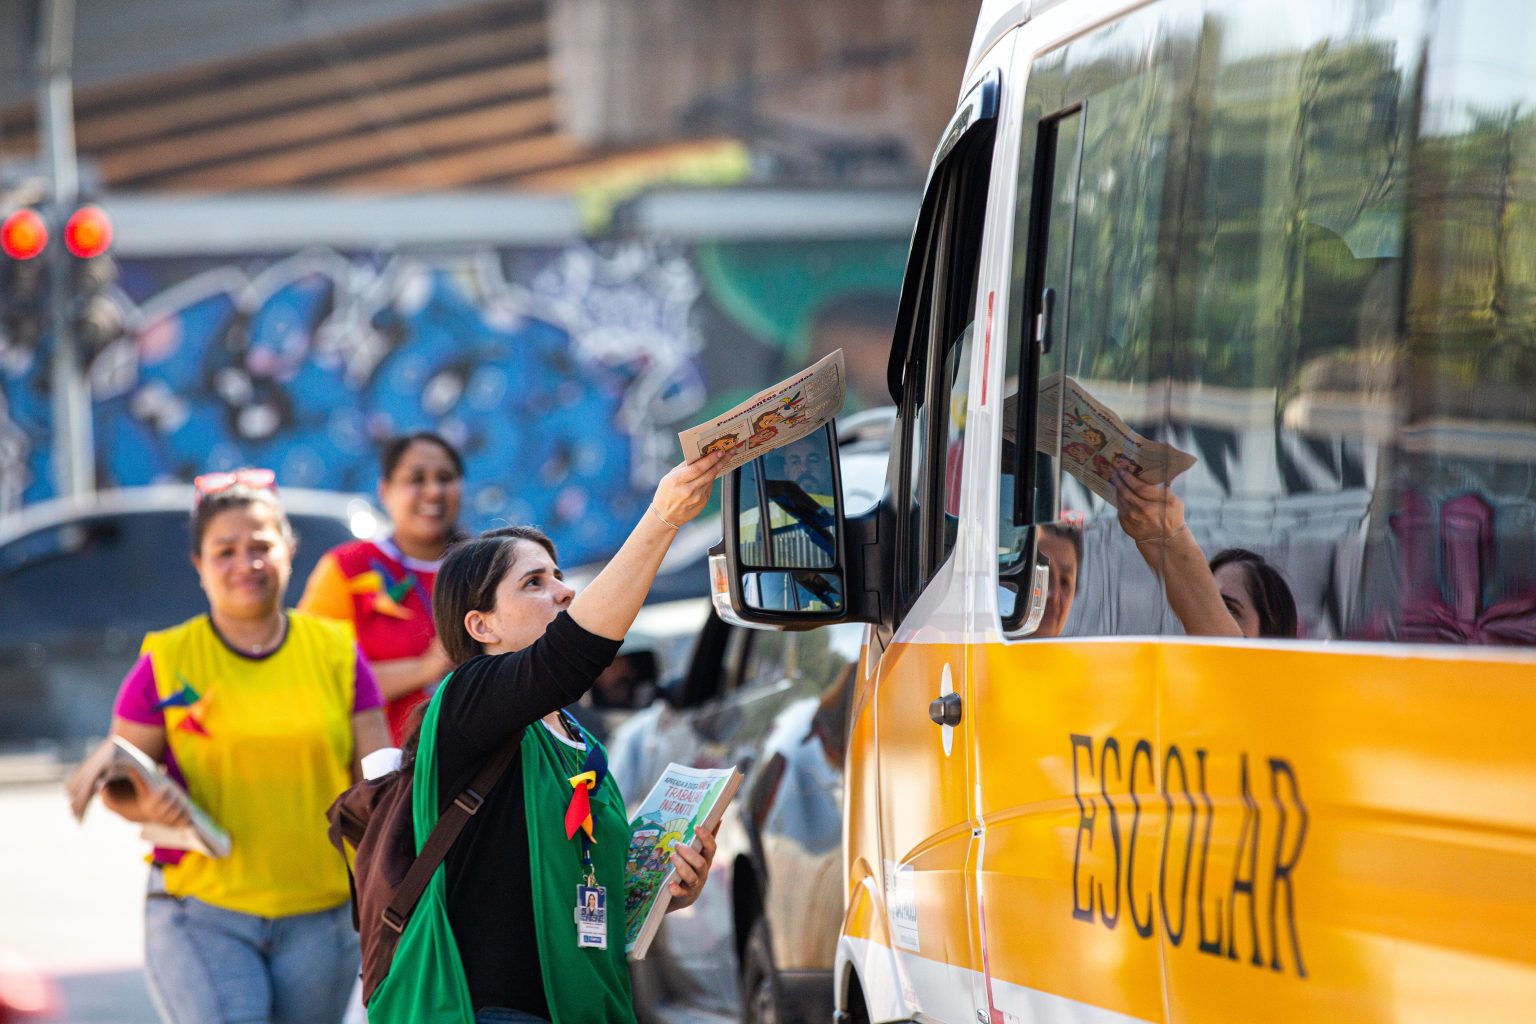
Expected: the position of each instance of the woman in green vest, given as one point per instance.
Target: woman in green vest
(496, 937)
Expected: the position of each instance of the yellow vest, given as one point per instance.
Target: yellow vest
(265, 745)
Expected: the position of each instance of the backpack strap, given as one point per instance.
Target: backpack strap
(449, 824)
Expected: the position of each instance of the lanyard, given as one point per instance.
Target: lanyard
(578, 814)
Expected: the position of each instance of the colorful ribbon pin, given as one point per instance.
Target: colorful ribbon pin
(194, 703)
(578, 815)
(184, 697)
(397, 589)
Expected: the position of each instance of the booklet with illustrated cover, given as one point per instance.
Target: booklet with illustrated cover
(1093, 441)
(794, 407)
(118, 762)
(682, 801)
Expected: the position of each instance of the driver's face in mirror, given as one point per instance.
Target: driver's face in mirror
(1061, 547)
(807, 467)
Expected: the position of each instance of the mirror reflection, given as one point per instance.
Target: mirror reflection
(1343, 422)
(796, 482)
(792, 591)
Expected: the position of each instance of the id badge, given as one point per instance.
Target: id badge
(591, 917)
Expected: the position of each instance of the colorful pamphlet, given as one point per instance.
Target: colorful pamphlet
(791, 409)
(683, 801)
(1093, 441)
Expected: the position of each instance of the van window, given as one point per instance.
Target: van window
(1228, 255)
(937, 360)
(1089, 292)
(1040, 270)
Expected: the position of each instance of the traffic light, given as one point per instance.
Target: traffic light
(24, 277)
(88, 233)
(95, 318)
(24, 235)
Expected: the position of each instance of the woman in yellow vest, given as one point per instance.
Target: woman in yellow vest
(262, 714)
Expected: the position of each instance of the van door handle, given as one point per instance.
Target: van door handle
(945, 710)
(1043, 320)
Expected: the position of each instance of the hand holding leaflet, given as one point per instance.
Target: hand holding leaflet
(118, 761)
(796, 406)
(1094, 442)
(683, 803)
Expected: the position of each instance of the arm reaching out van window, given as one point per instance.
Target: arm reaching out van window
(1153, 517)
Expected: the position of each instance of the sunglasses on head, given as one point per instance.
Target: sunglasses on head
(213, 483)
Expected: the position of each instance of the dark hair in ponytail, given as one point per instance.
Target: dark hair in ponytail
(467, 582)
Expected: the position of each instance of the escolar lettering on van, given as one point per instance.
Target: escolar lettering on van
(1254, 865)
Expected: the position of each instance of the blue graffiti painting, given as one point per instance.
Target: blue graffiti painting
(563, 373)
(306, 364)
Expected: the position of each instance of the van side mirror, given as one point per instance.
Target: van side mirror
(783, 561)
(1034, 599)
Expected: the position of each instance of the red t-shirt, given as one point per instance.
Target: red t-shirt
(387, 596)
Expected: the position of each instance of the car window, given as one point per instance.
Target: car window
(129, 573)
(863, 479)
(808, 661)
(770, 660)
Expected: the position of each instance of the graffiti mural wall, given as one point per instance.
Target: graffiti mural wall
(563, 374)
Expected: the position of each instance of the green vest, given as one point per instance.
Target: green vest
(582, 986)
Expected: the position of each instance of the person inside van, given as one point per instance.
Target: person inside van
(1060, 544)
(1236, 594)
(806, 465)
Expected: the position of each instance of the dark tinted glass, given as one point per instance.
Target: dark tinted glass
(941, 328)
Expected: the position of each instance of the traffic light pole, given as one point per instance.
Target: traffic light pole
(74, 442)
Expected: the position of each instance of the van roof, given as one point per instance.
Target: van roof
(997, 17)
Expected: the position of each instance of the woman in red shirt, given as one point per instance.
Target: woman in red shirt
(384, 587)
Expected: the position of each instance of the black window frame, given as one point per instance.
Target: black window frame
(946, 248)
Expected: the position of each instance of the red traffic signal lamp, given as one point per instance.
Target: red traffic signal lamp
(24, 234)
(88, 232)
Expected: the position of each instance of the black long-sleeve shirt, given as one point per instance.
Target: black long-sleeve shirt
(490, 889)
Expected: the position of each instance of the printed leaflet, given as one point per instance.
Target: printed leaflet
(788, 411)
(683, 801)
(116, 761)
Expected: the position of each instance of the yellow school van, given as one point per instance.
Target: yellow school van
(1198, 679)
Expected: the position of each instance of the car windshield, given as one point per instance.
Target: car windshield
(125, 572)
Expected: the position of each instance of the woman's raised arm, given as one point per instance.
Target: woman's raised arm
(609, 604)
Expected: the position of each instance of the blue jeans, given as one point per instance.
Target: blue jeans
(206, 965)
(497, 1015)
